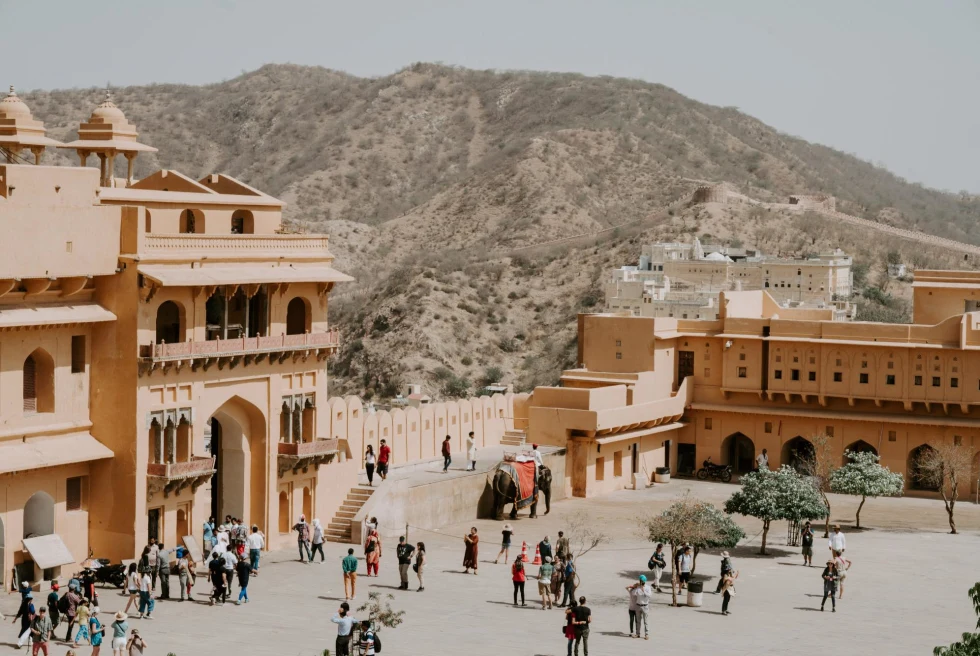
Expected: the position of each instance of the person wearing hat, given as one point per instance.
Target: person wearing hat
(507, 533)
(545, 572)
(640, 595)
(728, 588)
(53, 613)
(95, 631)
(119, 629)
(41, 630)
(830, 585)
(726, 567)
(26, 614)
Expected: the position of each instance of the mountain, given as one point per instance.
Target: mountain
(432, 182)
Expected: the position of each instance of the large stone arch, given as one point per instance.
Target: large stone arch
(859, 446)
(915, 479)
(39, 515)
(239, 442)
(798, 453)
(738, 450)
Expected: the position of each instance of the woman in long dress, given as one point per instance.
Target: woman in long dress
(472, 551)
(372, 551)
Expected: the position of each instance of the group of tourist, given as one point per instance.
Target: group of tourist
(836, 569)
(379, 463)
(556, 574)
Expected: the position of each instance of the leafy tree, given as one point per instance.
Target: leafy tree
(864, 476)
(773, 495)
(380, 612)
(946, 467)
(970, 645)
(491, 375)
(456, 388)
(693, 522)
(820, 466)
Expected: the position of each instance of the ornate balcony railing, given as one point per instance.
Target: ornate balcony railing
(174, 477)
(235, 246)
(240, 349)
(302, 455)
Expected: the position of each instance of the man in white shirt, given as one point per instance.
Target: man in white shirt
(231, 560)
(641, 595)
(837, 541)
(684, 564)
(256, 542)
(345, 625)
(538, 461)
(762, 461)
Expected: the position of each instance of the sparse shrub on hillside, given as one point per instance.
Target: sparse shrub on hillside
(507, 344)
(456, 388)
(466, 361)
(442, 374)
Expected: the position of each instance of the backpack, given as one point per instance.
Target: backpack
(63, 603)
(377, 642)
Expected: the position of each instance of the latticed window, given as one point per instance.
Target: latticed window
(30, 385)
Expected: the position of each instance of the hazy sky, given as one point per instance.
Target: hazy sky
(894, 81)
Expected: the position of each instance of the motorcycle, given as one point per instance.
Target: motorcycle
(715, 472)
(101, 570)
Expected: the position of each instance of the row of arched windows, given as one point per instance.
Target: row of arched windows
(194, 222)
(233, 316)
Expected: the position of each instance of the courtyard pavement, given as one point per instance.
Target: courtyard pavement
(905, 594)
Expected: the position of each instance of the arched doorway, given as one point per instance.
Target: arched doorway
(168, 323)
(242, 223)
(238, 443)
(191, 222)
(297, 317)
(39, 515)
(917, 478)
(738, 450)
(799, 454)
(38, 382)
(859, 447)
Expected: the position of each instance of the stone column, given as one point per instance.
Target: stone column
(171, 439)
(297, 416)
(130, 158)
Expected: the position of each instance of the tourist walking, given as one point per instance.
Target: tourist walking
(349, 566)
(41, 630)
(26, 614)
(317, 541)
(53, 613)
(183, 573)
(843, 564)
(244, 571)
(384, 458)
(507, 534)
(570, 625)
(70, 606)
(471, 452)
(657, 564)
(583, 618)
(230, 564)
(372, 551)
(447, 456)
(519, 577)
(133, 586)
(830, 585)
(153, 561)
(631, 608)
(367, 639)
(544, 547)
(726, 567)
(472, 551)
(806, 537)
(209, 527)
(837, 541)
(762, 460)
(419, 566)
(345, 627)
(561, 546)
(558, 579)
(256, 543)
(545, 572)
(147, 603)
(640, 594)
(370, 460)
(404, 553)
(303, 538)
(728, 589)
(119, 628)
(568, 594)
(684, 564)
(216, 571)
(96, 631)
(163, 567)
(81, 618)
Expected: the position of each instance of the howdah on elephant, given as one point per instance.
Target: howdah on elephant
(505, 492)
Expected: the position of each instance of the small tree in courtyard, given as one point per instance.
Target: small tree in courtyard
(820, 466)
(774, 495)
(863, 476)
(970, 645)
(691, 522)
(946, 467)
(380, 612)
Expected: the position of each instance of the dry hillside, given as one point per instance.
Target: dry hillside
(432, 181)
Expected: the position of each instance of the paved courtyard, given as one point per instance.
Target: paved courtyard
(905, 594)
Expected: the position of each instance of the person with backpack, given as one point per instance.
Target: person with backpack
(726, 568)
(519, 576)
(369, 645)
(53, 602)
(657, 563)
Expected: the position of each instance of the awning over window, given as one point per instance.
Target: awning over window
(48, 551)
(168, 276)
(35, 453)
(50, 315)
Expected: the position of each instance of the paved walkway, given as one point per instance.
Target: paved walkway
(905, 594)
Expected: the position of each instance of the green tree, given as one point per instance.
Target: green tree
(491, 375)
(773, 495)
(970, 645)
(863, 476)
(378, 609)
(456, 388)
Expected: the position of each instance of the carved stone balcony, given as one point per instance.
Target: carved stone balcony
(174, 477)
(158, 247)
(298, 456)
(241, 350)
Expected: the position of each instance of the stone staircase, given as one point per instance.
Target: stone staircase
(513, 438)
(339, 528)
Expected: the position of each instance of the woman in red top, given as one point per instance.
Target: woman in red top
(519, 576)
(372, 551)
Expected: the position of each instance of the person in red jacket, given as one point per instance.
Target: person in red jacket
(446, 455)
(384, 456)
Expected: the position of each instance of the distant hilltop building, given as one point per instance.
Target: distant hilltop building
(822, 202)
(684, 280)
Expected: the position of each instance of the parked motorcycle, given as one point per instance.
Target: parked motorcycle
(101, 570)
(715, 472)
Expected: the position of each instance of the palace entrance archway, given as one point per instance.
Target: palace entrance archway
(238, 443)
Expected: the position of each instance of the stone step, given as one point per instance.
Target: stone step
(350, 507)
(344, 514)
(361, 493)
(340, 525)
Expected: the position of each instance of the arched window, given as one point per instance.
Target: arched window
(156, 441)
(39, 515)
(242, 223)
(297, 317)
(38, 382)
(192, 222)
(169, 323)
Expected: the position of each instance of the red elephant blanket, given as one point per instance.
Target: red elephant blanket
(523, 474)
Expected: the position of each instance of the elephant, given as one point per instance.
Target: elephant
(505, 491)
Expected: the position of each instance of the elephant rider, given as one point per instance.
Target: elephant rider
(538, 462)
